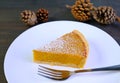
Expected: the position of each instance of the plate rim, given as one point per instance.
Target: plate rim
(6, 54)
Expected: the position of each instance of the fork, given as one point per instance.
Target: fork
(64, 74)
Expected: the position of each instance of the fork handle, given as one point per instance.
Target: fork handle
(109, 68)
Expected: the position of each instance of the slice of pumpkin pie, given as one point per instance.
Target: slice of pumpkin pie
(70, 50)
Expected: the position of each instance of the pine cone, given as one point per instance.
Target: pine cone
(81, 10)
(42, 15)
(104, 15)
(29, 17)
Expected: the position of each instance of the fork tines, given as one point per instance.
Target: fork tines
(49, 73)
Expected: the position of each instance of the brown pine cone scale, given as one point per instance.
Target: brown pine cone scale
(28, 17)
(42, 15)
(81, 10)
(104, 15)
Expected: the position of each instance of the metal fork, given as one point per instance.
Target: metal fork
(64, 74)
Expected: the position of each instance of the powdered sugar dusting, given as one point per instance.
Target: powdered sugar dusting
(54, 45)
(65, 44)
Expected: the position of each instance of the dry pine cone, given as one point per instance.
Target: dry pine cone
(42, 15)
(29, 17)
(105, 15)
(81, 10)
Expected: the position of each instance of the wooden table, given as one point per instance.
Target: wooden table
(11, 25)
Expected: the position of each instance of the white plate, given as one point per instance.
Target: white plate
(104, 51)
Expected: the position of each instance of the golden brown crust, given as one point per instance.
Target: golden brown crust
(83, 39)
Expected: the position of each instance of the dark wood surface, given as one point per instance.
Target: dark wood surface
(11, 25)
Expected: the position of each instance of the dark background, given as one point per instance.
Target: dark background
(11, 25)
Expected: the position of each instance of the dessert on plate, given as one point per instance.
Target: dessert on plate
(70, 50)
